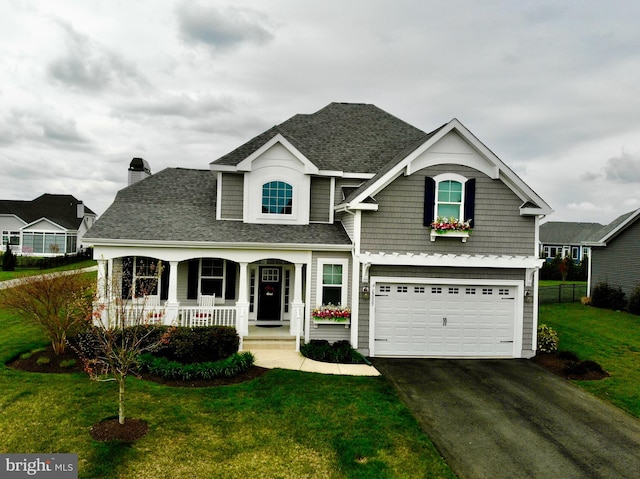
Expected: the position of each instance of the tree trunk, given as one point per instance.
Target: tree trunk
(121, 381)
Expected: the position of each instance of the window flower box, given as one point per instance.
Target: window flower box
(330, 314)
(451, 228)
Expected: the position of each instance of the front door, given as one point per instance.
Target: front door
(270, 293)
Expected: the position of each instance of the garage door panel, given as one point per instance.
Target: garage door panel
(444, 320)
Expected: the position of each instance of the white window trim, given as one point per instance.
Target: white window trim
(223, 277)
(450, 177)
(344, 262)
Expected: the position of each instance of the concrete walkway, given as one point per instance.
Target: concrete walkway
(10, 283)
(287, 359)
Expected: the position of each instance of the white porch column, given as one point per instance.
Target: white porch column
(242, 306)
(172, 304)
(297, 306)
(103, 297)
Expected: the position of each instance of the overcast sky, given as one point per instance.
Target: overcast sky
(552, 88)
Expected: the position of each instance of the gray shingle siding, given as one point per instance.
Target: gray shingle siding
(617, 263)
(397, 226)
(320, 200)
(329, 332)
(232, 201)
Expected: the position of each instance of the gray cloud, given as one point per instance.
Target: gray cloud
(181, 105)
(624, 168)
(220, 30)
(41, 126)
(590, 176)
(87, 66)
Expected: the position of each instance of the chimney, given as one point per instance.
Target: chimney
(138, 170)
(80, 209)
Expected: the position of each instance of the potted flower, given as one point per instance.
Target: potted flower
(451, 227)
(330, 313)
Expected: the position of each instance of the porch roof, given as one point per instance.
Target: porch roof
(178, 205)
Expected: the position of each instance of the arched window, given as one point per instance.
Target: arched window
(277, 198)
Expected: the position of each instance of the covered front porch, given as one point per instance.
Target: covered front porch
(259, 297)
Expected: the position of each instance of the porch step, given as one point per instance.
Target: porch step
(268, 342)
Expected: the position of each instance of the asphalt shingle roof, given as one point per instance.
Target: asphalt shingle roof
(179, 204)
(61, 209)
(352, 137)
(566, 233)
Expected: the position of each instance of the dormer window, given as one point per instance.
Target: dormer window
(277, 198)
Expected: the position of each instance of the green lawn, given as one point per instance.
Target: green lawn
(6, 275)
(608, 337)
(283, 424)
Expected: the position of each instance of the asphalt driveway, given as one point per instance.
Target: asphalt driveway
(512, 419)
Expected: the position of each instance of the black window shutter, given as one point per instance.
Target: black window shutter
(470, 200)
(192, 279)
(429, 200)
(230, 290)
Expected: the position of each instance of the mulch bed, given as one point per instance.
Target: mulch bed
(53, 366)
(111, 430)
(568, 366)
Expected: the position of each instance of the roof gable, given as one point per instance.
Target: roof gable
(613, 229)
(429, 153)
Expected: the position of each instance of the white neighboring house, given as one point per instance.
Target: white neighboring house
(50, 225)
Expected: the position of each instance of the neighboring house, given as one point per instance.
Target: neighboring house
(615, 254)
(565, 238)
(50, 225)
(337, 207)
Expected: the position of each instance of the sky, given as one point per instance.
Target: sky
(551, 87)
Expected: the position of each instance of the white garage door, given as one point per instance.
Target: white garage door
(444, 320)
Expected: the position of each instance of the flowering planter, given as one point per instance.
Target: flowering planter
(463, 235)
(345, 321)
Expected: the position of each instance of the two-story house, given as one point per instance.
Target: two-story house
(50, 225)
(339, 207)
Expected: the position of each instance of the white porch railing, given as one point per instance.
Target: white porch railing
(192, 316)
(189, 316)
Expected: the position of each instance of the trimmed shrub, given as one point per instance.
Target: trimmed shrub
(167, 369)
(200, 344)
(67, 363)
(42, 361)
(633, 306)
(605, 296)
(338, 352)
(9, 260)
(547, 339)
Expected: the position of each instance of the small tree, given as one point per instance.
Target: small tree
(565, 267)
(9, 260)
(121, 333)
(58, 302)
